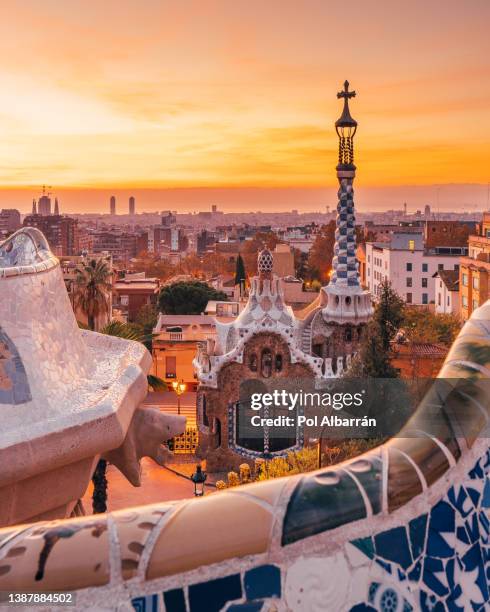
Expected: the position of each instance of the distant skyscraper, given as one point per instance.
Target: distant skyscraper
(44, 203)
(34, 207)
(427, 211)
(214, 208)
(56, 207)
(132, 205)
(113, 205)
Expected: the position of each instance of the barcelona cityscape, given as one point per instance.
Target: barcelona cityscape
(245, 306)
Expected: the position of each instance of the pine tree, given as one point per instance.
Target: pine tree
(240, 275)
(388, 314)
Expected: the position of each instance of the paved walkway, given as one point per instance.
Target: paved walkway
(157, 484)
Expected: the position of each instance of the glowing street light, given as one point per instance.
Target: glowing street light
(179, 387)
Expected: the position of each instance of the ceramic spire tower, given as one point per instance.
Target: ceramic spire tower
(346, 299)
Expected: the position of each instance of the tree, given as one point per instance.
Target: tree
(321, 253)
(240, 275)
(187, 297)
(388, 314)
(373, 359)
(92, 287)
(421, 325)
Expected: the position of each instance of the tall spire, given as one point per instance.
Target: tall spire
(56, 207)
(345, 266)
(34, 207)
(347, 302)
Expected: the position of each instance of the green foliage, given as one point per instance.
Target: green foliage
(92, 288)
(388, 314)
(187, 297)
(304, 460)
(240, 275)
(373, 359)
(421, 325)
(128, 331)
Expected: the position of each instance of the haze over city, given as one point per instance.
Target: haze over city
(190, 104)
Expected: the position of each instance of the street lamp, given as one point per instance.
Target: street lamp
(199, 478)
(179, 387)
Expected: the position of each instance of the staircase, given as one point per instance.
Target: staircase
(306, 339)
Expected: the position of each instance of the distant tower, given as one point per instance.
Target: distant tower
(56, 207)
(214, 208)
(404, 209)
(34, 207)
(427, 211)
(44, 203)
(113, 205)
(132, 205)
(347, 301)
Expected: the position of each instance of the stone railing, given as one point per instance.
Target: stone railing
(25, 252)
(402, 527)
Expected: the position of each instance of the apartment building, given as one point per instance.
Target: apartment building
(408, 265)
(475, 270)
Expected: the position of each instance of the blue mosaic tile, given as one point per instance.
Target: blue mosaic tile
(473, 528)
(474, 496)
(415, 572)
(429, 603)
(365, 545)
(174, 600)
(148, 603)
(460, 500)
(362, 608)
(417, 529)
(212, 595)
(432, 574)
(263, 581)
(384, 565)
(249, 606)
(485, 502)
(392, 545)
(442, 517)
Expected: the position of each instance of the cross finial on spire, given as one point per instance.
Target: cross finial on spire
(346, 93)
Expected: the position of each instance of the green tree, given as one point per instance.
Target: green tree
(388, 314)
(187, 297)
(240, 275)
(92, 288)
(421, 325)
(373, 359)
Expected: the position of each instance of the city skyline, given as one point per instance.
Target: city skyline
(234, 104)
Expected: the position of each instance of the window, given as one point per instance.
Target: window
(448, 300)
(425, 298)
(438, 299)
(266, 363)
(409, 281)
(424, 282)
(425, 267)
(465, 279)
(252, 363)
(474, 304)
(278, 362)
(464, 301)
(411, 245)
(409, 298)
(170, 367)
(476, 282)
(348, 335)
(456, 267)
(409, 267)
(440, 266)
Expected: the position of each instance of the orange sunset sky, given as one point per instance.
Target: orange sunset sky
(186, 103)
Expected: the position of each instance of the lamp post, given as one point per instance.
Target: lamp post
(179, 387)
(199, 478)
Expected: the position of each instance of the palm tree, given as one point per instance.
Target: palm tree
(92, 288)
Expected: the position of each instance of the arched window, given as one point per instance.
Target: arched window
(278, 363)
(266, 363)
(348, 334)
(252, 362)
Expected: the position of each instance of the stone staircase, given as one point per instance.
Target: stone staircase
(306, 339)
